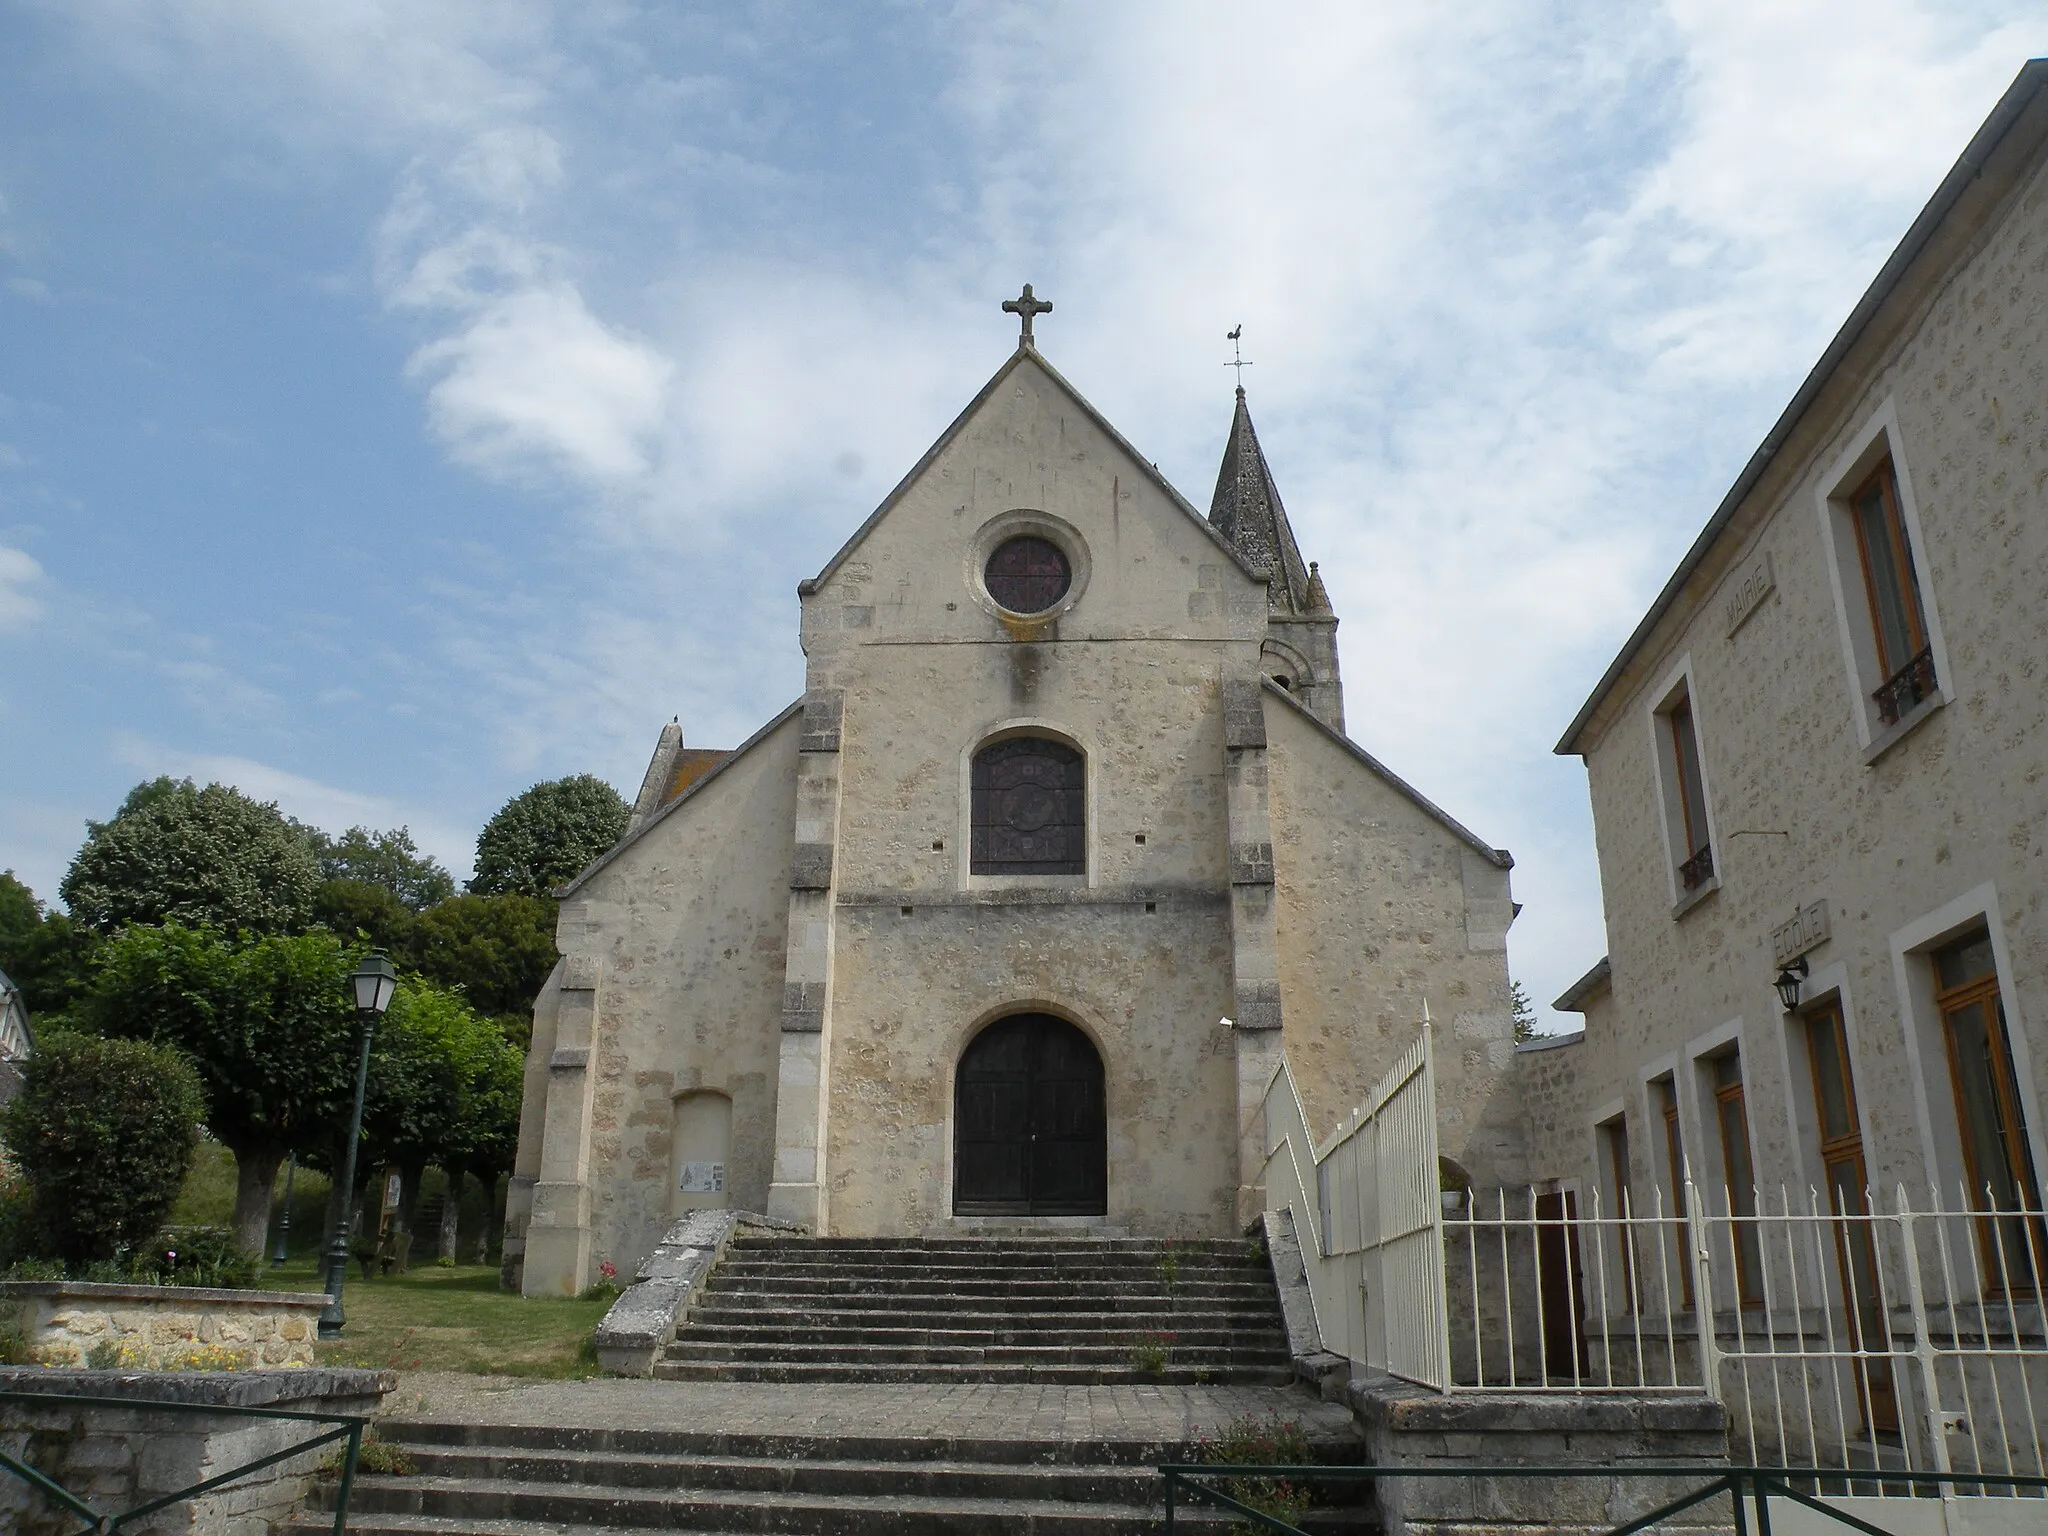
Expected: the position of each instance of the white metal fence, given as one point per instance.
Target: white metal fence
(1851, 1336)
(1365, 1203)
(1872, 1337)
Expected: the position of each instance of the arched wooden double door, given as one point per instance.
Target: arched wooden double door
(1029, 1131)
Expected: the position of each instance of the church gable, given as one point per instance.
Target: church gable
(1031, 460)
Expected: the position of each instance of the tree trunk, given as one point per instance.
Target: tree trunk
(255, 1180)
(451, 1215)
(483, 1228)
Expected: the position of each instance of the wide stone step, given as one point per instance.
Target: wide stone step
(1042, 1274)
(1112, 1355)
(827, 1330)
(825, 1283)
(883, 1312)
(1085, 1483)
(985, 1247)
(965, 1374)
(680, 1441)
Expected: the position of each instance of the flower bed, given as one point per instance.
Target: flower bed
(77, 1324)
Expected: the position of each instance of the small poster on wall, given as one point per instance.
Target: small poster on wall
(702, 1179)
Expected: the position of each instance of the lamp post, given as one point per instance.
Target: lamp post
(373, 981)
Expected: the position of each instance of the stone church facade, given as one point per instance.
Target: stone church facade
(1011, 917)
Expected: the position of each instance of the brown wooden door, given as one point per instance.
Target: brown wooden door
(1029, 1123)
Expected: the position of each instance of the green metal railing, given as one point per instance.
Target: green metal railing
(350, 1429)
(1757, 1485)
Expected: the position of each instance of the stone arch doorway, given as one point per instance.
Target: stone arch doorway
(1030, 1133)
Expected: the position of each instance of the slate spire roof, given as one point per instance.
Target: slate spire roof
(1246, 510)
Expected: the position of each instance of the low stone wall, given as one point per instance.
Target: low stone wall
(116, 1457)
(163, 1327)
(642, 1322)
(1408, 1426)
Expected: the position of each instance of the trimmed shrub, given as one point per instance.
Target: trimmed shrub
(199, 1256)
(103, 1131)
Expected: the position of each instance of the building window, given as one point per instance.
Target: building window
(1731, 1114)
(1993, 1131)
(1847, 1176)
(1027, 574)
(1905, 661)
(1030, 809)
(1665, 1092)
(1685, 792)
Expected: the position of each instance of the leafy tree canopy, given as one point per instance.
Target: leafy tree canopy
(347, 908)
(44, 953)
(207, 857)
(103, 1131)
(444, 1085)
(497, 949)
(268, 1023)
(1524, 1011)
(546, 835)
(387, 859)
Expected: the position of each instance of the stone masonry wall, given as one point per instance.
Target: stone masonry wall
(165, 1327)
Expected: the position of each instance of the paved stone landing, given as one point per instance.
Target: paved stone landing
(1161, 1414)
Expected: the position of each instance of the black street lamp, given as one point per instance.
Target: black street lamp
(374, 981)
(1791, 976)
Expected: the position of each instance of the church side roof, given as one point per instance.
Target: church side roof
(682, 797)
(1246, 510)
(1496, 856)
(1016, 360)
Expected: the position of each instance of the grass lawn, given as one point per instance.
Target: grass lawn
(436, 1319)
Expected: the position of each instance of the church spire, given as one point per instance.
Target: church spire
(1246, 510)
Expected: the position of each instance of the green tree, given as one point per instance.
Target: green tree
(207, 857)
(386, 859)
(347, 908)
(44, 953)
(267, 1022)
(497, 949)
(103, 1131)
(1524, 1011)
(547, 835)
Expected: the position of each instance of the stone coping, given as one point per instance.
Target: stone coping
(1402, 1407)
(210, 1389)
(185, 1297)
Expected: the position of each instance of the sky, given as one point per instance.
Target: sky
(402, 403)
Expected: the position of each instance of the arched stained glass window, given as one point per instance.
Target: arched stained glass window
(1030, 809)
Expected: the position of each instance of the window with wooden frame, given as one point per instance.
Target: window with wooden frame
(1614, 1143)
(1665, 1092)
(1685, 788)
(1847, 1177)
(1731, 1115)
(1990, 1122)
(1905, 660)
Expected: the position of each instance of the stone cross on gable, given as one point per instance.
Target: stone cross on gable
(1024, 306)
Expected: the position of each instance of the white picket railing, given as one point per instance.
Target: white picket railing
(1366, 1208)
(1873, 1340)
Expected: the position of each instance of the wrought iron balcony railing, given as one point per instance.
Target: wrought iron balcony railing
(1904, 689)
(1697, 870)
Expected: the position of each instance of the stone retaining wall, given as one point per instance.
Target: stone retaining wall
(1409, 1426)
(163, 1327)
(117, 1457)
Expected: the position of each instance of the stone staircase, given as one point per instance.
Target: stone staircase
(528, 1480)
(1051, 1310)
(970, 1385)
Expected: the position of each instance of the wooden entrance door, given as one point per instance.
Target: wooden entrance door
(1562, 1277)
(1028, 1122)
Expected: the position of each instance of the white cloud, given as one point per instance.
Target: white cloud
(21, 578)
(326, 806)
(535, 377)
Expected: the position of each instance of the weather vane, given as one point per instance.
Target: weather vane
(1237, 350)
